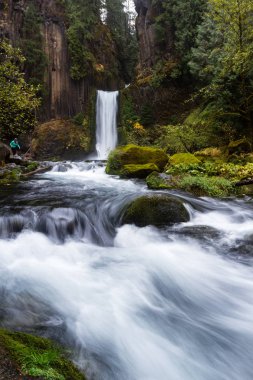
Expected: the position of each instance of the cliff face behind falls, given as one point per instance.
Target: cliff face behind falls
(174, 53)
(68, 50)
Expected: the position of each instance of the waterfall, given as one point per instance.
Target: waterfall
(106, 122)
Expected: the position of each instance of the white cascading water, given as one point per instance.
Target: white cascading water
(136, 303)
(106, 122)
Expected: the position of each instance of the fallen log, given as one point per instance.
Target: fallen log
(37, 171)
(244, 182)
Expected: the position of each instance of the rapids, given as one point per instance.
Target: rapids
(132, 303)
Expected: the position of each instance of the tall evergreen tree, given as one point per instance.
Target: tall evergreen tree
(118, 21)
(229, 63)
(32, 46)
(178, 21)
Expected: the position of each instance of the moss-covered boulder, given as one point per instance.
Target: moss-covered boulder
(157, 180)
(24, 356)
(61, 139)
(122, 157)
(138, 171)
(183, 158)
(9, 174)
(156, 210)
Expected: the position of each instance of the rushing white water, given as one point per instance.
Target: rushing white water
(106, 122)
(148, 304)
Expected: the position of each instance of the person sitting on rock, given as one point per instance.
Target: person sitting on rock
(14, 146)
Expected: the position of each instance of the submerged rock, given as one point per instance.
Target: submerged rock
(124, 160)
(156, 210)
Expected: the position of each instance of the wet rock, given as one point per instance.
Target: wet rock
(60, 139)
(124, 158)
(199, 232)
(156, 210)
(138, 171)
(159, 181)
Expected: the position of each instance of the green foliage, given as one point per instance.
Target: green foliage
(224, 63)
(146, 115)
(184, 138)
(78, 119)
(128, 115)
(233, 172)
(38, 357)
(117, 20)
(10, 176)
(201, 185)
(18, 100)
(90, 41)
(178, 20)
(83, 19)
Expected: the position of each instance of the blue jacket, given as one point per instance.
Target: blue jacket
(14, 145)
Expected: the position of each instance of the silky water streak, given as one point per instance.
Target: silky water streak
(106, 122)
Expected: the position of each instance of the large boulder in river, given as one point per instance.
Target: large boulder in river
(135, 161)
(156, 210)
(5, 152)
(60, 139)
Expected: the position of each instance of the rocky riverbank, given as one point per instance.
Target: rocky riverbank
(217, 172)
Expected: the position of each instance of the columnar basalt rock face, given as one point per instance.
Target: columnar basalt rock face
(149, 48)
(65, 97)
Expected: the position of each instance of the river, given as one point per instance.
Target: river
(132, 303)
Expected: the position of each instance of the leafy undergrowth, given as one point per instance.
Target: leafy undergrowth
(38, 357)
(202, 185)
(227, 170)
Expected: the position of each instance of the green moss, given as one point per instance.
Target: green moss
(10, 176)
(156, 210)
(183, 158)
(156, 180)
(135, 155)
(138, 171)
(31, 167)
(38, 357)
